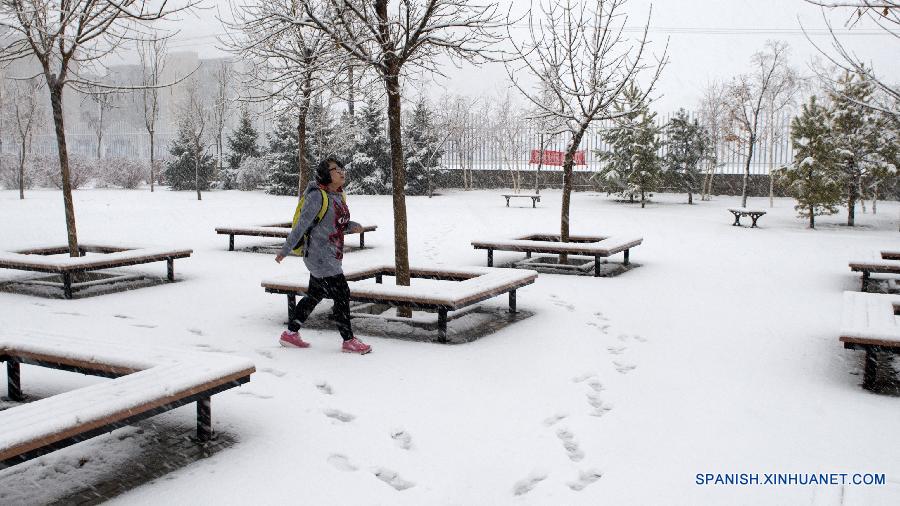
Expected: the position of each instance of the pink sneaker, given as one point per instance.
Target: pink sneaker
(292, 340)
(355, 346)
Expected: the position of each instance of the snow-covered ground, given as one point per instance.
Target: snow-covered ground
(718, 354)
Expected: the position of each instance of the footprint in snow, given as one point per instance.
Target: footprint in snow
(526, 485)
(339, 415)
(624, 368)
(143, 325)
(196, 332)
(274, 372)
(551, 420)
(402, 439)
(68, 313)
(341, 462)
(616, 350)
(568, 440)
(602, 327)
(600, 316)
(585, 478)
(392, 478)
(600, 407)
(584, 376)
(639, 338)
(122, 316)
(596, 385)
(324, 387)
(265, 353)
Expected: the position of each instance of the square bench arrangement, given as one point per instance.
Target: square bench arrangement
(877, 262)
(738, 212)
(471, 286)
(146, 382)
(597, 247)
(280, 230)
(56, 260)
(870, 322)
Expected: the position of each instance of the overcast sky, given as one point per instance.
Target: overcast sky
(708, 40)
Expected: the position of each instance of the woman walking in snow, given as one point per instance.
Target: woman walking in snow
(321, 237)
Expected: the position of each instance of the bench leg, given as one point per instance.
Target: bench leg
(362, 240)
(737, 220)
(597, 266)
(527, 254)
(67, 285)
(170, 268)
(533, 203)
(13, 380)
(378, 278)
(512, 301)
(442, 325)
(626, 258)
(292, 303)
(870, 370)
(490, 258)
(865, 280)
(204, 420)
(231, 242)
(754, 218)
(507, 201)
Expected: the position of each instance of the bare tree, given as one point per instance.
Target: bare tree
(26, 114)
(581, 56)
(295, 63)
(65, 36)
(153, 56)
(457, 118)
(886, 15)
(506, 128)
(102, 100)
(221, 106)
(713, 118)
(747, 96)
(411, 35)
(196, 115)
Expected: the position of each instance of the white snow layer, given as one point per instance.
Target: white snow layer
(717, 353)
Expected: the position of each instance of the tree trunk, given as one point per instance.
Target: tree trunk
(812, 217)
(747, 171)
(568, 168)
(642, 197)
(56, 103)
(851, 208)
(875, 199)
(398, 172)
(152, 163)
(771, 168)
(351, 98)
(690, 198)
(197, 158)
(22, 172)
(301, 151)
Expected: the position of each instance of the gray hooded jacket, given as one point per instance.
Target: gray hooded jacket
(324, 252)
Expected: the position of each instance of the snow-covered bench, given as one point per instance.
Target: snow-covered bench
(593, 246)
(754, 215)
(147, 381)
(55, 260)
(535, 198)
(880, 262)
(471, 286)
(279, 230)
(870, 322)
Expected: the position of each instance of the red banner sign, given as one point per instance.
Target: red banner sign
(555, 157)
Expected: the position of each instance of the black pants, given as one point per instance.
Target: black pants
(332, 287)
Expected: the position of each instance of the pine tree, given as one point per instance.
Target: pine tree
(180, 170)
(688, 145)
(242, 145)
(281, 157)
(813, 178)
(321, 139)
(855, 129)
(633, 164)
(423, 151)
(370, 167)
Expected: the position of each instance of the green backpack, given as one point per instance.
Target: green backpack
(298, 248)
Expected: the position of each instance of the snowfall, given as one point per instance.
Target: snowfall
(717, 353)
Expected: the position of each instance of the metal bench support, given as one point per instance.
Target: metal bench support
(442, 325)
(204, 419)
(67, 285)
(170, 268)
(13, 380)
(362, 240)
(865, 280)
(512, 301)
(230, 242)
(490, 257)
(626, 257)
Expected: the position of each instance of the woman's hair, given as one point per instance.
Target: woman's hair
(323, 170)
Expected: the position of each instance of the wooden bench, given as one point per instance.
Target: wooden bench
(593, 246)
(51, 260)
(147, 381)
(534, 198)
(738, 212)
(279, 230)
(474, 285)
(869, 322)
(880, 262)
